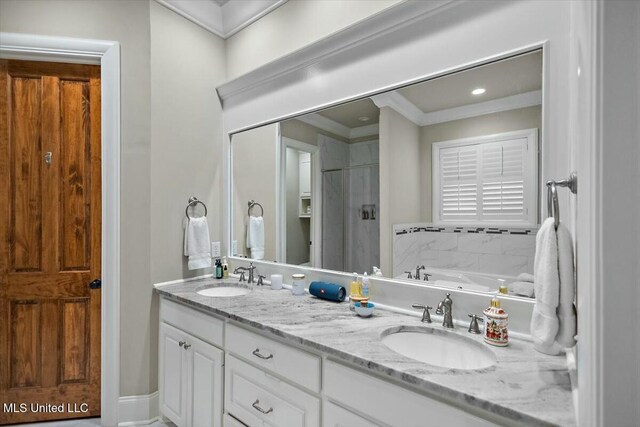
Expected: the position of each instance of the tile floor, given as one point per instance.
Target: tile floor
(87, 422)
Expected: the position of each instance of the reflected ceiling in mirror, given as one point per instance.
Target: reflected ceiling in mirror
(444, 173)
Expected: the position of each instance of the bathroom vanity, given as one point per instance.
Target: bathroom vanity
(299, 361)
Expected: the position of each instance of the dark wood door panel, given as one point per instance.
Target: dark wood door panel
(50, 231)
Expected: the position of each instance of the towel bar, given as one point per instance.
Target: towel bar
(553, 207)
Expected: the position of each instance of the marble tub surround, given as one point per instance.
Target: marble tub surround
(499, 250)
(523, 387)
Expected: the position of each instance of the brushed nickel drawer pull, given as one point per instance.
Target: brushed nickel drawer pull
(186, 346)
(256, 353)
(181, 343)
(255, 405)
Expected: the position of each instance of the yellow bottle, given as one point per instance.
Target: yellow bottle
(355, 287)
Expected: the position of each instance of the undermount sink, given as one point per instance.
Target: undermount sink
(223, 290)
(438, 347)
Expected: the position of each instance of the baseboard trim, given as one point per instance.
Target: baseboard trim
(141, 410)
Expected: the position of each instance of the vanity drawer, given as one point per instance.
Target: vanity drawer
(200, 325)
(390, 404)
(257, 398)
(296, 365)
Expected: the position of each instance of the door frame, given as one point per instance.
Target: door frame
(107, 55)
(316, 198)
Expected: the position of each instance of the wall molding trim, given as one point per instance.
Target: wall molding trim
(107, 54)
(223, 21)
(139, 410)
(411, 112)
(376, 26)
(339, 129)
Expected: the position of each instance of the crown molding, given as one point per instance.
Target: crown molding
(376, 26)
(411, 112)
(339, 129)
(223, 21)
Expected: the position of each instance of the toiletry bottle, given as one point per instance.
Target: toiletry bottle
(496, 322)
(354, 292)
(225, 268)
(218, 269)
(365, 286)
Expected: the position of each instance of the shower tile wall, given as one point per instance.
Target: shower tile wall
(503, 254)
(349, 243)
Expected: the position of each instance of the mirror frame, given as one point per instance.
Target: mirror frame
(543, 46)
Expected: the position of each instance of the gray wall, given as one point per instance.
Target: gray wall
(399, 192)
(254, 178)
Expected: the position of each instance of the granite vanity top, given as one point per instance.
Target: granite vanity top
(526, 386)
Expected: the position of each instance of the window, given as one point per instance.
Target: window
(487, 179)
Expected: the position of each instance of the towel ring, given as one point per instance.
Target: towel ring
(193, 201)
(252, 204)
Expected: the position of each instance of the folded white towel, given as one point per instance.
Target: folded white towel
(553, 319)
(255, 236)
(197, 244)
(524, 289)
(525, 277)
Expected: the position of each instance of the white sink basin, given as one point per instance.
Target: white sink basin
(439, 348)
(223, 290)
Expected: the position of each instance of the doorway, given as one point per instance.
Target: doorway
(50, 253)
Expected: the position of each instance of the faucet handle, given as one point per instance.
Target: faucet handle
(260, 277)
(242, 279)
(426, 316)
(409, 276)
(473, 326)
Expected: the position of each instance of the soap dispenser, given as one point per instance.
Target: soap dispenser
(496, 322)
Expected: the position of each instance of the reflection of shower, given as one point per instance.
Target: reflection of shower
(350, 226)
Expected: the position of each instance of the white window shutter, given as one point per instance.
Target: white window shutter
(486, 180)
(459, 183)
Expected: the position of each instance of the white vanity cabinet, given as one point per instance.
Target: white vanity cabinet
(352, 392)
(191, 369)
(259, 394)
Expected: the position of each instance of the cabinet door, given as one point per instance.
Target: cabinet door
(173, 374)
(205, 383)
(336, 416)
(305, 176)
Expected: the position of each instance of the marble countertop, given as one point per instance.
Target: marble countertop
(526, 386)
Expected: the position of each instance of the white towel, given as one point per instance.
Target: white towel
(553, 323)
(524, 289)
(525, 277)
(197, 245)
(255, 236)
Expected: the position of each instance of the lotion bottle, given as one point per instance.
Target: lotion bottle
(365, 286)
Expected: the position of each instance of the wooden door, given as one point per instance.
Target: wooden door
(204, 393)
(173, 375)
(50, 226)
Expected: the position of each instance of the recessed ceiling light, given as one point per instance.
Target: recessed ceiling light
(364, 118)
(478, 91)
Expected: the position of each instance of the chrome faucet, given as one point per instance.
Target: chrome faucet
(241, 270)
(444, 307)
(418, 268)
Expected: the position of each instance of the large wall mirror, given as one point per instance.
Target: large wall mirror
(445, 173)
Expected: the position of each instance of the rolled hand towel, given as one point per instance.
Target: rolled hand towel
(197, 244)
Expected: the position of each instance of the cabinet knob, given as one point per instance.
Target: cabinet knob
(181, 343)
(186, 346)
(256, 353)
(258, 408)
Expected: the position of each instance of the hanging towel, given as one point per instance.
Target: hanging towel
(553, 322)
(197, 245)
(255, 236)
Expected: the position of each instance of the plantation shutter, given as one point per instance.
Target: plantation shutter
(503, 179)
(486, 180)
(459, 183)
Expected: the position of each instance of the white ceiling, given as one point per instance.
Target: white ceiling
(222, 17)
(510, 84)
